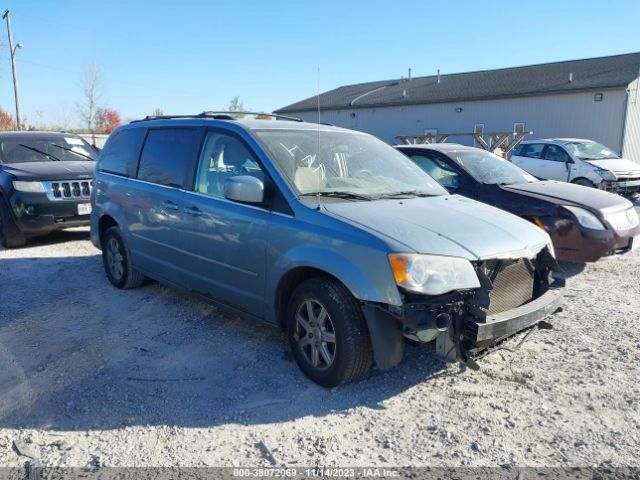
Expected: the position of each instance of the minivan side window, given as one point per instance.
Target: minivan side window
(168, 156)
(120, 154)
(534, 150)
(556, 154)
(223, 156)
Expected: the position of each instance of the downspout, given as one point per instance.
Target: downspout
(624, 114)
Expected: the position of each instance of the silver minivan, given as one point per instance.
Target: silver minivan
(328, 233)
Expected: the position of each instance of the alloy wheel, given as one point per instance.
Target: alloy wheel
(315, 334)
(115, 259)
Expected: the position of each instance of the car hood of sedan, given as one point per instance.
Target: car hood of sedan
(51, 170)
(617, 165)
(561, 193)
(445, 225)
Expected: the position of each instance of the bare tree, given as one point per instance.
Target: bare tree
(235, 105)
(91, 96)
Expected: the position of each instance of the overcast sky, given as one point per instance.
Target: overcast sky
(190, 56)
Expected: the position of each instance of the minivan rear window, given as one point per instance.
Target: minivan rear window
(120, 154)
(168, 156)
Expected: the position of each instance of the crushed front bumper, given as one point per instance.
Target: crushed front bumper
(504, 324)
(468, 334)
(623, 187)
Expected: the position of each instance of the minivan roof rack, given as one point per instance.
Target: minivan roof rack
(222, 115)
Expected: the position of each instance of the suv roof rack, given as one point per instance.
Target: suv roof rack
(222, 115)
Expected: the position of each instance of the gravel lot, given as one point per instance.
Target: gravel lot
(90, 375)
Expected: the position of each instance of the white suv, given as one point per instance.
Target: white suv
(574, 160)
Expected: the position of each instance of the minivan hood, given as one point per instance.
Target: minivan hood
(617, 165)
(562, 193)
(50, 170)
(446, 225)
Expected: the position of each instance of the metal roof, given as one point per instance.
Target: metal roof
(549, 78)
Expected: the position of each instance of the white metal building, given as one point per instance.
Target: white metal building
(595, 98)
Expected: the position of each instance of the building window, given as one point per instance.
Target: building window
(598, 97)
(518, 127)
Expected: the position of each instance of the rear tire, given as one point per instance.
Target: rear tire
(10, 234)
(117, 261)
(327, 333)
(584, 182)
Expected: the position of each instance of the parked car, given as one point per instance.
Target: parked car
(583, 162)
(45, 184)
(331, 234)
(584, 224)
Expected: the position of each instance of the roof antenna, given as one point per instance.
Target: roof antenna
(318, 147)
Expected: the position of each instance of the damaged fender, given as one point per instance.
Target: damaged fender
(386, 337)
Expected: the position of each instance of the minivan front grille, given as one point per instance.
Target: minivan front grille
(68, 189)
(512, 283)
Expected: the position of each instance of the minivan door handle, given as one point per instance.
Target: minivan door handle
(195, 211)
(169, 205)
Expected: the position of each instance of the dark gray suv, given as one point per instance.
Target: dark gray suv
(45, 184)
(326, 232)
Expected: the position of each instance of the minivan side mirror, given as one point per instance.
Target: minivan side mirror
(244, 189)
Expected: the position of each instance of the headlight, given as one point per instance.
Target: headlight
(606, 174)
(432, 274)
(32, 187)
(586, 218)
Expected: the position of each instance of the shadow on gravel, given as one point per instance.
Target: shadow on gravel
(78, 354)
(60, 236)
(570, 269)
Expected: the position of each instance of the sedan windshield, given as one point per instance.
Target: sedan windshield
(490, 169)
(345, 165)
(44, 148)
(590, 151)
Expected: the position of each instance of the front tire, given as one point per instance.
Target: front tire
(327, 333)
(10, 234)
(584, 182)
(117, 261)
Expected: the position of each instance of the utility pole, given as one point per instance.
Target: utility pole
(12, 50)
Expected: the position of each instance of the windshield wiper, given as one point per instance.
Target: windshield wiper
(407, 193)
(52, 157)
(73, 151)
(347, 195)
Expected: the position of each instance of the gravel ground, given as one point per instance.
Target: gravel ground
(90, 375)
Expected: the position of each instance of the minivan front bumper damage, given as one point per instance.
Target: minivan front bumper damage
(461, 322)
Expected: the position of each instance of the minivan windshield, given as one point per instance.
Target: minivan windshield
(490, 169)
(590, 151)
(345, 164)
(43, 148)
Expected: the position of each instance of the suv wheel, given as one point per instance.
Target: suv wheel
(10, 234)
(584, 182)
(327, 333)
(117, 261)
